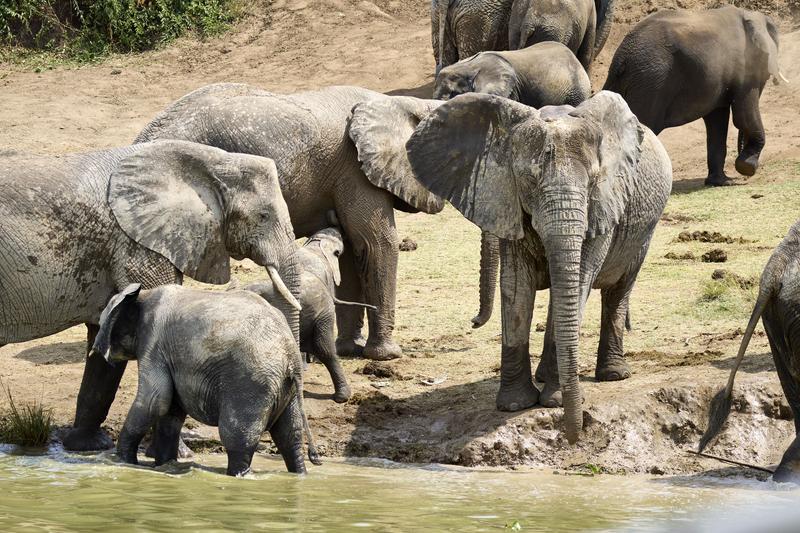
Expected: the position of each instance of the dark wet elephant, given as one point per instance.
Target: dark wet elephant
(675, 67)
(78, 228)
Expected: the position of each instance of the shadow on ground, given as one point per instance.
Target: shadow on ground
(59, 353)
(752, 363)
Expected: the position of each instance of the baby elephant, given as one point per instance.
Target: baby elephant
(228, 359)
(318, 261)
(546, 73)
(778, 304)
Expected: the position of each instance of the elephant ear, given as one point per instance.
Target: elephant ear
(765, 39)
(118, 304)
(621, 137)
(498, 79)
(166, 197)
(380, 128)
(462, 152)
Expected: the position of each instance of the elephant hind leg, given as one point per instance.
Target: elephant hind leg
(153, 401)
(747, 118)
(239, 431)
(350, 319)
(325, 349)
(287, 434)
(716, 145)
(167, 435)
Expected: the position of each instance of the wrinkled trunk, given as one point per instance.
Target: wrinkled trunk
(290, 274)
(441, 7)
(565, 216)
(490, 261)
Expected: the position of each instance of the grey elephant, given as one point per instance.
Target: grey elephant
(581, 25)
(675, 67)
(543, 74)
(78, 228)
(227, 359)
(574, 194)
(778, 306)
(462, 28)
(327, 158)
(318, 260)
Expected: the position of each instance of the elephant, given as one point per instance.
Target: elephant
(778, 306)
(574, 195)
(581, 25)
(78, 228)
(227, 359)
(544, 74)
(329, 156)
(318, 260)
(675, 67)
(462, 28)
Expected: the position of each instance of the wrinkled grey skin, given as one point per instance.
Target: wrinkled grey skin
(462, 28)
(226, 359)
(675, 67)
(574, 195)
(329, 156)
(778, 306)
(543, 74)
(581, 25)
(78, 228)
(319, 263)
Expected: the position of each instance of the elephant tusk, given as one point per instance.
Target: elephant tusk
(282, 289)
(782, 77)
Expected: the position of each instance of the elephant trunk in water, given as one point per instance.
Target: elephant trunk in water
(490, 261)
(564, 229)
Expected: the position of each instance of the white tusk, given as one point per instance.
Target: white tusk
(278, 282)
(782, 77)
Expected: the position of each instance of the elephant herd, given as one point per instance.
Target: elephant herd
(566, 187)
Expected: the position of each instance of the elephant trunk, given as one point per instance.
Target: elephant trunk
(441, 6)
(287, 284)
(490, 261)
(565, 216)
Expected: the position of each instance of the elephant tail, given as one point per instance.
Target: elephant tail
(313, 455)
(337, 301)
(722, 401)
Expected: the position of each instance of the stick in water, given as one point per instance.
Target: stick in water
(731, 461)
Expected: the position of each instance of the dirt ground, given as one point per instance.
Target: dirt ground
(437, 403)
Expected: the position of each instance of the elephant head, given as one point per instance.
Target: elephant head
(563, 172)
(762, 36)
(198, 206)
(120, 318)
(379, 129)
(482, 73)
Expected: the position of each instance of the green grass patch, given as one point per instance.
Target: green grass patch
(83, 30)
(26, 424)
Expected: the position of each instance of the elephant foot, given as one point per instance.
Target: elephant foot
(612, 369)
(719, 181)
(342, 394)
(184, 452)
(382, 351)
(87, 440)
(351, 347)
(747, 165)
(518, 397)
(785, 474)
(551, 395)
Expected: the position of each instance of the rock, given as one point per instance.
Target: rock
(116, 72)
(714, 256)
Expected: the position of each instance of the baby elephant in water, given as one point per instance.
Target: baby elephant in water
(547, 73)
(318, 260)
(228, 359)
(778, 305)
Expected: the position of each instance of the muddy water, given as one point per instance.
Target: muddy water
(64, 492)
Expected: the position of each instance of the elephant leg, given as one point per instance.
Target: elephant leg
(518, 291)
(287, 434)
(325, 350)
(789, 468)
(611, 364)
(167, 435)
(547, 371)
(747, 118)
(153, 401)
(98, 388)
(350, 318)
(367, 217)
(716, 145)
(585, 52)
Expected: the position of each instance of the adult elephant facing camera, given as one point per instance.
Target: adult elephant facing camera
(309, 134)
(79, 227)
(574, 195)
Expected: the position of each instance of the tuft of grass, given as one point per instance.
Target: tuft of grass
(27, 424)
(714, 289)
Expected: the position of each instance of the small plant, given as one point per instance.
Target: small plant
(25, 425)
(714, 290)
(514, 525)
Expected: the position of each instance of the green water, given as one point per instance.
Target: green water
(65, 492)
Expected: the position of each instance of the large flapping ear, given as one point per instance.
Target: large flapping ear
(166, 197)
(463, 153)
(380, 128)
(118, 304)
(496, 76)
(756, 27)
(331, 246)
(620, 146)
